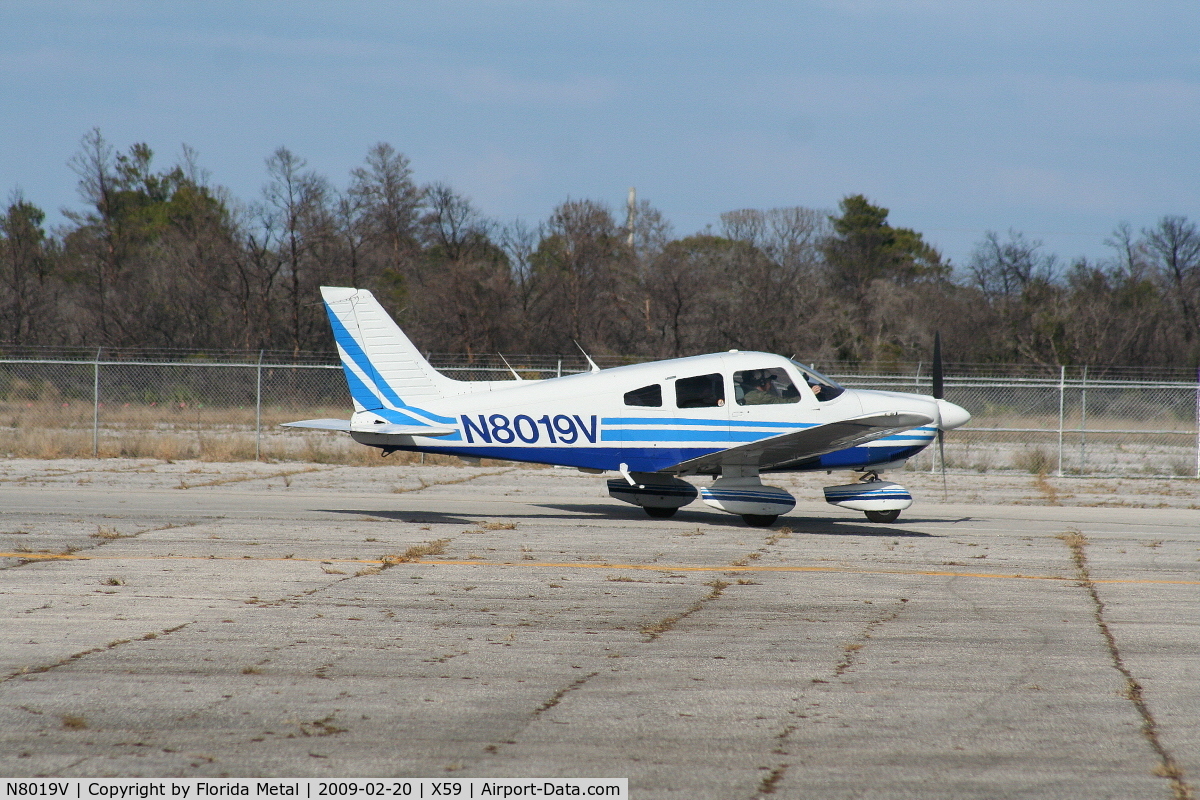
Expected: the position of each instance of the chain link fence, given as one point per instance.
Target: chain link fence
(228, 407)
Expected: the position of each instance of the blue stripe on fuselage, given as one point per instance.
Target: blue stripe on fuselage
(648, 435)
(711, 423)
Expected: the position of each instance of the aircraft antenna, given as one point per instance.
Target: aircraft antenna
(510, 369)
(585, 355)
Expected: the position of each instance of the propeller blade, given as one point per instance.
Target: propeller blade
(942, 458)
(937, 365)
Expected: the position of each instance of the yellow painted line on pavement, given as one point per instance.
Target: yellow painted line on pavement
(603, 565)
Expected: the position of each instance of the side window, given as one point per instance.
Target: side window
(646, 396)
(759, 387)
(702, 391)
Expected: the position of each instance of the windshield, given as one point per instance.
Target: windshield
(824, 388)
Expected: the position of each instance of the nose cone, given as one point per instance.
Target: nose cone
(951, 415)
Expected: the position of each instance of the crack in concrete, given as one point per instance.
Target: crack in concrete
(550, 703)
(285, 474)
(653, 630)
(770, 782)
(557, 697)
(1167, 767)
(427, 484)
(850, 650)
(25, 671)
(102, 537)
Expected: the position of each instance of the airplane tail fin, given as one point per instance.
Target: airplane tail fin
(383, 368)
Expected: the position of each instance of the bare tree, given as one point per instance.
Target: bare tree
(388, 202)
(97, 240)
(465, 293)
(1175, 247)
(587, 282)
(1005, 269)
(296, 207)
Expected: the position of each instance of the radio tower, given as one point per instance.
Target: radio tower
(631, 212)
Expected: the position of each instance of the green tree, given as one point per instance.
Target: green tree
(874, 270)
(865, 248)
(27, 259)
(134, 251)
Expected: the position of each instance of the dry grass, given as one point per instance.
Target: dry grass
(53, 430)
(223, 447)
(1048, 492)
(418, 551)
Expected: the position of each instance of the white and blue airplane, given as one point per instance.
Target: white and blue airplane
(732, 416)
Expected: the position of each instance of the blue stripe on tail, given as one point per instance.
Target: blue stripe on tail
(373, 399)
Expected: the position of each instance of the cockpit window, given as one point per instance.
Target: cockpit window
(759, 387)
(824, 388)
(702, 391)
(646, 396)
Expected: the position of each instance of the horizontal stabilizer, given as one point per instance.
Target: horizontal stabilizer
(320, 424)
(385, 428)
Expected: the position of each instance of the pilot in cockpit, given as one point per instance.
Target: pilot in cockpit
(763, 391)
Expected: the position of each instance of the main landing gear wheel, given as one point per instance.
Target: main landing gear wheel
(660, 513)
(759, 520)
(883, 516)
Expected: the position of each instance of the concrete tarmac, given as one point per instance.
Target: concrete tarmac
(273, 620)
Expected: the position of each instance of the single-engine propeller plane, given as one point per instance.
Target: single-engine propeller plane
(732, 416)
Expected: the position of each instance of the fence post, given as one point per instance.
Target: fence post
(1198, 423)
(258, 411)
(1062, 390)
(96, 405)
(1083, 422)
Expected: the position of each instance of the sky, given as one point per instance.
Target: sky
(1059, 120)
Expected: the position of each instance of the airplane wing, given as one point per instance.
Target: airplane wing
(808, 443)
(390, 429)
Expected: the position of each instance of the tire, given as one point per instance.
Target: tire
(883, 516)
(760, 520)
(658, 512)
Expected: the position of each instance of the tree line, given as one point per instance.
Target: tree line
(164, 258)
